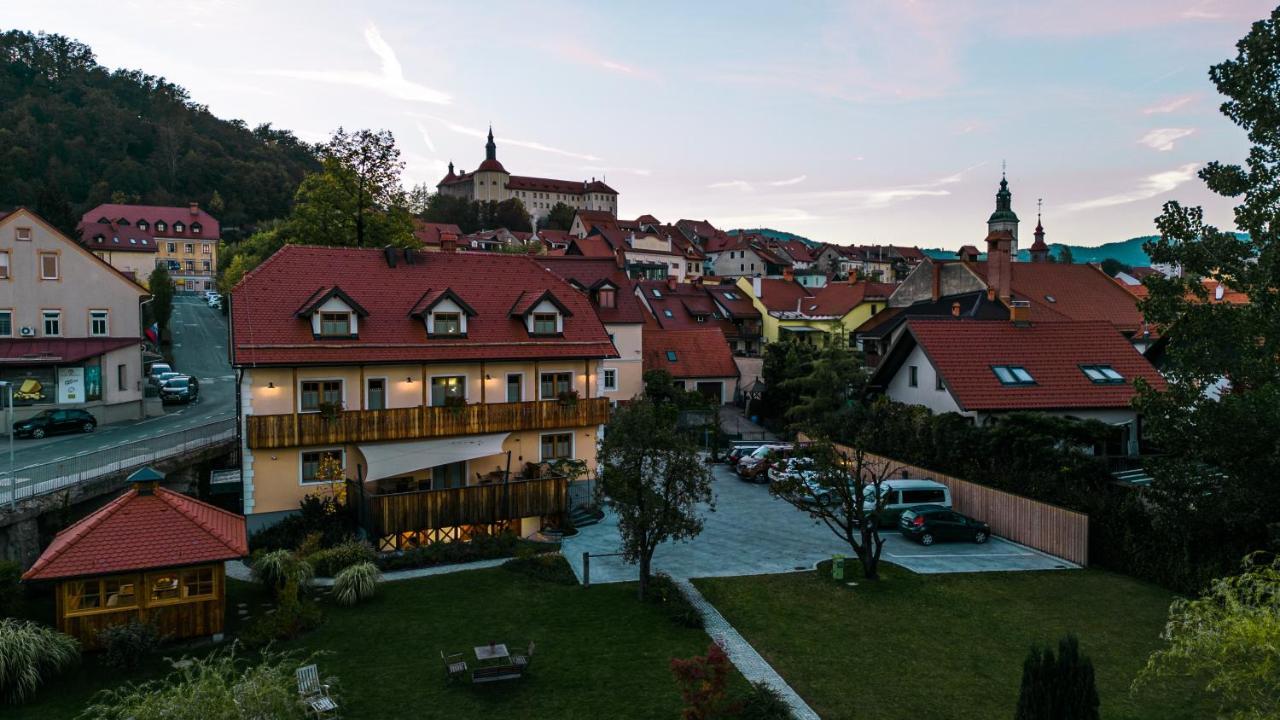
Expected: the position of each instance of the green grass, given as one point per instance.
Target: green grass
(600, 653)
(949, 646)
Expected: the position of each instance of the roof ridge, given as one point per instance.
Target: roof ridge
(80, 528)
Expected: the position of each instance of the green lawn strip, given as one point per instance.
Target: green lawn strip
(949, 646)
(600, 653)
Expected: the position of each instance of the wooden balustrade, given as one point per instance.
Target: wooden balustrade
(412, 423)
(384, 515)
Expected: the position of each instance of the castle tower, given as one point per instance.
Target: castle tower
(1004, 218)
(1039, 250)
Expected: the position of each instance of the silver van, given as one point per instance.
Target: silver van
(902, 494)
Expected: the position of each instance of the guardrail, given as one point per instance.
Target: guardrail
(43, 478)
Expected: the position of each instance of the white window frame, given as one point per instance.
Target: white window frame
(57, 265)
(609, 379)
(342, 458)
(106, 323)
(44, 322)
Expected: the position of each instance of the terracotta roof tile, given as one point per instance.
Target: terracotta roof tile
(699, 352)
(210, 229)
(1071, 292)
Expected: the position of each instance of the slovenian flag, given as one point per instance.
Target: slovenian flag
(153, 333)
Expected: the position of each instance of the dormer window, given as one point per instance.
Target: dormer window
(607, 297)
(544, 323)
(335, 324)
(178, 227)
(332, 313)
(196, 228)
(142, 225)
(446, 323)
(160, 226)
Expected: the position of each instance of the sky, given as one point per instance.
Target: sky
(846, 122)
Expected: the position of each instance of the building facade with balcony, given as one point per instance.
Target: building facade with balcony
(448, 388)
(182, 239)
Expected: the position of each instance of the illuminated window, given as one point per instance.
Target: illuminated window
(165, 586)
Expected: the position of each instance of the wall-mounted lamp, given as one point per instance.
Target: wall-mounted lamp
(409, 380)
(271, 386)
(487, 376)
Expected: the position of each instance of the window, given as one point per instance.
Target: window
(937, 382)
(189, 248)
(671, 356)
(22, 234)
(196, 228)
(657, 293)
(160, 227)
(557, 446)
(171, 247)
(4, 265)
(730, 296)
(667, 312)
(204, 247)
(335, 324)
(544, 324)
(197, 583)
(515, 387)
(1012, 375)
(165, 586)
(48, 266)
(52, 322)
(315, 392)
(1102, 374)
(98, 325)
(119, 592)
(925, 495)
(190, 266)
(205, 266)
(179, 227)
(608, 298)
(311, 464)
(452, 475)
(913, 376)
(448, 386)
(122, 377)
(610, 379)
(6, 323)
(375, 397)
(142, 225)
(446, 323)
(552, 384)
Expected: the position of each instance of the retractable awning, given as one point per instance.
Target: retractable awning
(402, 458)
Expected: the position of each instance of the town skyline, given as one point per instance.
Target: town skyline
(851, 124)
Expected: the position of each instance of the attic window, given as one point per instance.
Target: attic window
(607, 297)
(177, 227)
(142, 224)
(1051, 298)
(133, 241)
(160, 226)
(196, 228)
(667, 312)
(544, 323)
(446, 323)
(1013, 375)
(671, 356)
(1102, 374)
(730, 296)
(657, 293)
(335, 324)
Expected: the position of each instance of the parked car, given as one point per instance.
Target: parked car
(739, 450)
(165, 377)
(53, 422)
(180, 389)
(801, 468)
(904, 494)
(929, 523)
(755, 466)
(158, 369)
(214, 299)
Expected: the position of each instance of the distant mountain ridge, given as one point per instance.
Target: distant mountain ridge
(780, 235)
(1129, 252)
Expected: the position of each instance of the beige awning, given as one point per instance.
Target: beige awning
(392, 459)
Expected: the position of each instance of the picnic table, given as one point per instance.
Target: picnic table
(492, 651)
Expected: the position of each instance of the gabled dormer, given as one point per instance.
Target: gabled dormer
(443, 312)
(332, 314)
(604, 294)
(542, 313)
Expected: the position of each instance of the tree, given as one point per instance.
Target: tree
(782, 362)
(1064, 255)
(161, 287)
(843, 491)
(824, 398)
(419, 199)
(1113, 267)
(560, 217)
(1230, 638)
(453, 210)
(1059, 689)
(509, 214)
(1214, 491)
(654, 480)
(368, 168)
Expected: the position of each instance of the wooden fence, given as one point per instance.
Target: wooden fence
(491, 504)
(1039, 525)
(353, 426)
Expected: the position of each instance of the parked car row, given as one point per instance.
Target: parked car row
(174, 387)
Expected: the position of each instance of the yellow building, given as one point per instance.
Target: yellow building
(789, 310)
(135, 239)
(450, 402)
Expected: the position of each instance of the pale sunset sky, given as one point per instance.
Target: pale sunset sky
(853, 122)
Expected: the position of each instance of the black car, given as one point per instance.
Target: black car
(52, 422)
(928, 523)
(181, 389)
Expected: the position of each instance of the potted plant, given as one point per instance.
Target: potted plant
(569, 398)
(330, 411)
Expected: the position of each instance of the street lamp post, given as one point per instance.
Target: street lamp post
(13, 478)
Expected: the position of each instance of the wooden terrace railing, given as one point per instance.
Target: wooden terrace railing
(383, 515)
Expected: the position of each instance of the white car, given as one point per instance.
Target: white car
(796, 467)
(213, 298)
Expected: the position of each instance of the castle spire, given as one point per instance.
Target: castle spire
(490, 148)
(1039, 250)
(1004, 218)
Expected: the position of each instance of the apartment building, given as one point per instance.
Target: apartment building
(183, 239)
(447, 387)
(70, 335)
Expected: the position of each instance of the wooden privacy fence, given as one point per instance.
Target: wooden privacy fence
(473, 505)
(353, 426)
(1045, 527)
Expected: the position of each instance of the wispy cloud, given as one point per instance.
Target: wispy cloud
(789, 181)
(1169, 106)
(1151, 186)
(528, 144)
(578, 54)
(735, 184)
(390, 80)
(643, 172)
(426, 136)
(767, 217)
(750, 186)
(1162, 139)
(875, 198)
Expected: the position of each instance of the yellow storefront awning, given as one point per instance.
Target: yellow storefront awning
(393, 459)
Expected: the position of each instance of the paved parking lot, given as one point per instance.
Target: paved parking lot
(753, 533)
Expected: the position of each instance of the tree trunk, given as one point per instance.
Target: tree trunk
(645, 560)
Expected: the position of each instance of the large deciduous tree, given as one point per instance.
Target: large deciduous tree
(560, 217)
(161, 287)
(1218, 424)
(654, 481)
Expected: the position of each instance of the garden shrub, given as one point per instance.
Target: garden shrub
(276, 568)
(10, 586)
(548, 567)
(487, 547)
(356, 583)
(1058, 688)
(126, 645)
(330, 561)
(293, 616)
(322, 515)
(762, 702)
(703, 681)
(30, 655)
(664, 592)
(217, 686)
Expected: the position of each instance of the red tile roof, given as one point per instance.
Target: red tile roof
(592, 246)
(686, 302)
(782, 295)
(117, 238)
(739, 306)
(210, 229)
(699, 352)
(964, 351)
(588, 273)
(1071, 292)
(572, 187)
(143, 531)
(428, 233)
(55, 351)
(266, 332)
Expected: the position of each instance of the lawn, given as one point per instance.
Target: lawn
(600, 653)
(949, 646)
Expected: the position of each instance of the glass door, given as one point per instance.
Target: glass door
(449, 386)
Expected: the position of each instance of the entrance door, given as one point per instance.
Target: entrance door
(453, 475)
(446, 387)
(375, 397)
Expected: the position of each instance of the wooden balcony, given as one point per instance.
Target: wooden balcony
(475, 505)
(413, 423)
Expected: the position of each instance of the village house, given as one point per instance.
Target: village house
(791, 310)
(446, 387)
(698, 359)
(185, 239)
(647, 250)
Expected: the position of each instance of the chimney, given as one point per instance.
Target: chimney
(448, 242)
(620, 257)
(195, 209)
(937, 281)
(999, 270)
(991, 294)
(955, 309)
(1020, 312)
(788, 274)
(671, 283)
(390, 254)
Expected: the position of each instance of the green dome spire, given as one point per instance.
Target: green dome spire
(1004, 204)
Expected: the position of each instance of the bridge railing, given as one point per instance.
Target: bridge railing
(43, 478)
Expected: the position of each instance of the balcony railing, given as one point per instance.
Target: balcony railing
(411, 423)
(475, 505)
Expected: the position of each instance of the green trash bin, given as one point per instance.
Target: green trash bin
(837, 567)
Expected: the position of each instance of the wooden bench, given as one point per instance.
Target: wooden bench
(497, 673)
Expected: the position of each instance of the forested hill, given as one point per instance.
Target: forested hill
(74, 134)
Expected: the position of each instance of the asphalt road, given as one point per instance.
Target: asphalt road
(199, 336)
